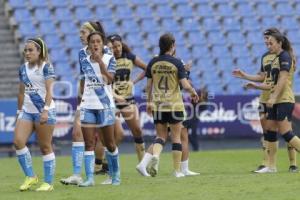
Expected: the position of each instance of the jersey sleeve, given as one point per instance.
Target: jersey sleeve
(111, 68)
(285, 62)
(148, 70)
(49, 72)
(262, 65)
(181, 71)
(131, 56)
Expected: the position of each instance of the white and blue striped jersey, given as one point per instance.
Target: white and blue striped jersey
(35, 86)
(97, 94)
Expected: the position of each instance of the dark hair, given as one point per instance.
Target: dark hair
(94, 33)
(40, 45)
(271, 31)
(285, 44)
(116, 37)
(165, 43)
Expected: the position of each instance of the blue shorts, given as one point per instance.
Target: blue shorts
(35, 117)
(101, 118)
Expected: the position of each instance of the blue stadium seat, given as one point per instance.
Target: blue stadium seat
(164, 11)
(246, 62)
(177, 2)
(74, 56)
(149, 25)
(225, 10)
(239, 51)
(68, 27)
(42, 14)
(123, 12)
(129, 26)
(250, 24)
(59, 3)
(27, 30)
(269, 22)
(134, 39)
(257, 50)
(231, 24)
(142, 53)
(190, 25)
(22, 15)
(220, 51)
(62, 68)
(265, 9)
(137, 2)
(169, 25)
(235, 37)
(103, 13)
(63, 14)
(144, 12)
(289, 23)
(152, 39)
(255, 37)
(225, 63)
(216, 38)
(78, 3)
(84, 14)
(184, 10)
(293, 36)
(159, 2)
(72, 41)
(284, 9)
(182, 53)
(204, 10)
(38, 4)
(47, 28)
(180, 39)
(196, 38)
(245, 10)
(58, 55)
(200, 51)
(16, 4)
(52, 41)
(211, 24)
(110, 27)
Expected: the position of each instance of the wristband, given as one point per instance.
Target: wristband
(46, 108)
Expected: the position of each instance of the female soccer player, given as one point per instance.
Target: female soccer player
(164, 100)
(265, 76)
(78, 143)
(143, 168)
(97, 107)
(123, 87)
(36, 111)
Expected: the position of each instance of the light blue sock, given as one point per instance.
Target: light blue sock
(77, 157)
(89, 162)
(25, 161)
(109, 163)
(49, 167)
(115, 165)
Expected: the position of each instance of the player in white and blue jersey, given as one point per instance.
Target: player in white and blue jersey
(77, 137)
(36, 111)
(97, 107)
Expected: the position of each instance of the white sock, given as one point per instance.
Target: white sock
(184, 165)
(146, 159)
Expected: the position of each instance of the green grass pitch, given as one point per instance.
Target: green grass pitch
(224, 175)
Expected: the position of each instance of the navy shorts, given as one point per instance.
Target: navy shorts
(168, 117)
(280, 112)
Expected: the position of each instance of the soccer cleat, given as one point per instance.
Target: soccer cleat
(107, 181)
(45, 187)
(87, 183)
(293, 169)
(153, 166)
(142, 170)
(29, 181)
(190, 173)
(266, 170)
(72, 180)
(259, 168)
(178, 174)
